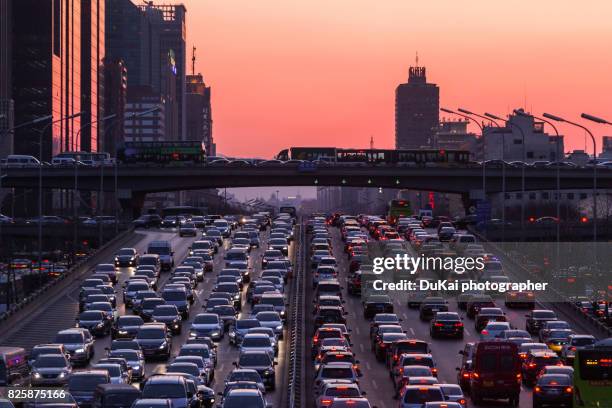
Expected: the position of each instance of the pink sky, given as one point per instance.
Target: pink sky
(319, 72)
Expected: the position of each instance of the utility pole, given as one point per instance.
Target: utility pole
(193, 60)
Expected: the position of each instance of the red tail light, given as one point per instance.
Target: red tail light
(466, 375)
(572, 348)
(462, 401)
(532, 365)
(438, 325)
(537, 389)
(326, 402)
(485, 332)
(475, 375)
(458, 324)
(569, 389)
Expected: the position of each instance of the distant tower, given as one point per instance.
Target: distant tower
(417, 105)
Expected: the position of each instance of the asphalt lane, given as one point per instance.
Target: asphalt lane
(376, 380)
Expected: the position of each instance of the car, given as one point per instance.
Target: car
(375, 304)
(79, 343)
(147, 221)
(187, 229)
(112, 395)
(82, 385)
(118, 374)
(536, 319)
(553, 390)
(148, 305)
(575, 342)
(244, 398)
(172, 387)
(41, 349)
(207, 324)
(453, 393)
(126, 257)
(402, 375)
(550, 325)
(169, 315)
(336, 373)
(331, 392)
(154, 340)
(177, 297)
(272, 320)
(245, 375)
(525, 348)
(262, 362)
(535, 361)
(406, 346)
(383, 345)
(415, 396)
(50, 370)
(96, 321)
(488, 314)
(557, 338)
(446, 324)
(329, 314)
(430, 306)
(256, 341)
(493, 330)
(133, 358)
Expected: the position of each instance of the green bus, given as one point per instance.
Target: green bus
(398, 209)
(593, 375)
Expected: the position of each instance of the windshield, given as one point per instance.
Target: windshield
(236, 256)
(247, 324)
(268, 317)
(422, 395)
(164, 391)
(544, 314)
(256, 342)
(128, 355)
(201, 245)
(91, 315)
(114, 370)
(85, 382)
(337, 372)
(245, 376)
(276, 301)
(161, 250)
(255, 359)
(174, 295)
(150, 333)
(122, 399)
(241, 401)
(195, 351)
(129, 252)
(206, 319)
(165, 311)
(136, 286)
(54, 361)
(69, 338)
(184, 368)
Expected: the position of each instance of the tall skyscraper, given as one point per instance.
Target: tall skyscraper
(172, 48)
(417, 105)
(92, 73)
(115, 99)
(46, 70)
(199, 112)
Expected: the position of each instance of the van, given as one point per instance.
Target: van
(21, 160)
(496, 372)
(13, 365)
(151, 260)
(165, 252)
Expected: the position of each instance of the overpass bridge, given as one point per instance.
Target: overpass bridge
(133, 182)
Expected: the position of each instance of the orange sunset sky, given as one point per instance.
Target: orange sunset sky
(323, 72)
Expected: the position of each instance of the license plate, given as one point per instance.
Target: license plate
(488, 383)
(435, 310)
(553, 391)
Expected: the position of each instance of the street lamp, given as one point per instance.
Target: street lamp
(490, 115)
(558, 167)
(484, 171)
(40, 166)
(595, 119)
(589, 117)
(468, 112)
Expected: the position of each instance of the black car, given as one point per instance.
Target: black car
(536, 318)
(430, 306)
(154, 340)
(447, 324)
(115, 395)
(375, 304)
(329, 314)
(147, 221)
(126, 327)
(169, 315)
(96, 321)
(553, 390)
(262, 362)
(126, 257)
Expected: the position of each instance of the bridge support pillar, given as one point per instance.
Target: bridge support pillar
(131, 203)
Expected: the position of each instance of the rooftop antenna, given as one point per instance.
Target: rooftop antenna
(417, 59)
(371, 142)
(193, 59)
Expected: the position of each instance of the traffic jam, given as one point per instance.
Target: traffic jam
(155, 330)
(370, 348)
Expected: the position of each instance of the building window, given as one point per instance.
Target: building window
(518, 141)
(519, 196)
(530, 155)
(570, 196)
(545, 195)
(57, 27)
(507, 196)
(583, 196)
(532, 196)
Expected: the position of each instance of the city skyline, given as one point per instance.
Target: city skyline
(325, 73)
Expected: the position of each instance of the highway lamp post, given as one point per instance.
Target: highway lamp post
(484, 167)
(503, 201)
(558, 154)
(40, 166)
(490, 115)
(578, 125)
(76, 191)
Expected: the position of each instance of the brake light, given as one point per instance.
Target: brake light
(466, 375)
(438, 325)
(396, 357)
(434, 370)
(537, 389)
(475, 375)
(572, 348)
(326, 401)
(458, 324)
(532, 365)
(485, 332)
(569, 389)
(462, 401)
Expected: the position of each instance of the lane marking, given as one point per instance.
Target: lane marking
(368, 365)
(467, 332)
(374, 384)
(357, 330)
(412, 331)
(361, 347)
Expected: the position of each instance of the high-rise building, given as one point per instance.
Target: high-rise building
(92, 74)
(46, 73)
(417, 105)
(199, 112)
(115, 99)
(149, 127)
(172, 29)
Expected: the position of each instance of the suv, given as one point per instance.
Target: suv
(165, 252)
(79, 343)
(374, 304)
(261, 362)
(154, 340)
(82, 385)
(167, 386)
(536, 319)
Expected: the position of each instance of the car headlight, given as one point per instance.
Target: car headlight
(215, 333)
(100, 325)
(163, 345)
(282, 313)
(267, 373)
(62, 374)
(279, 327)
(36, 375)
(192, 334)
(232, 334)
(123, 332)
(116, 259)
(237, 296)
(79, 350)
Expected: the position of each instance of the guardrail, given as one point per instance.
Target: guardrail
(296, 341)
(75, 272)
(568, 307)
